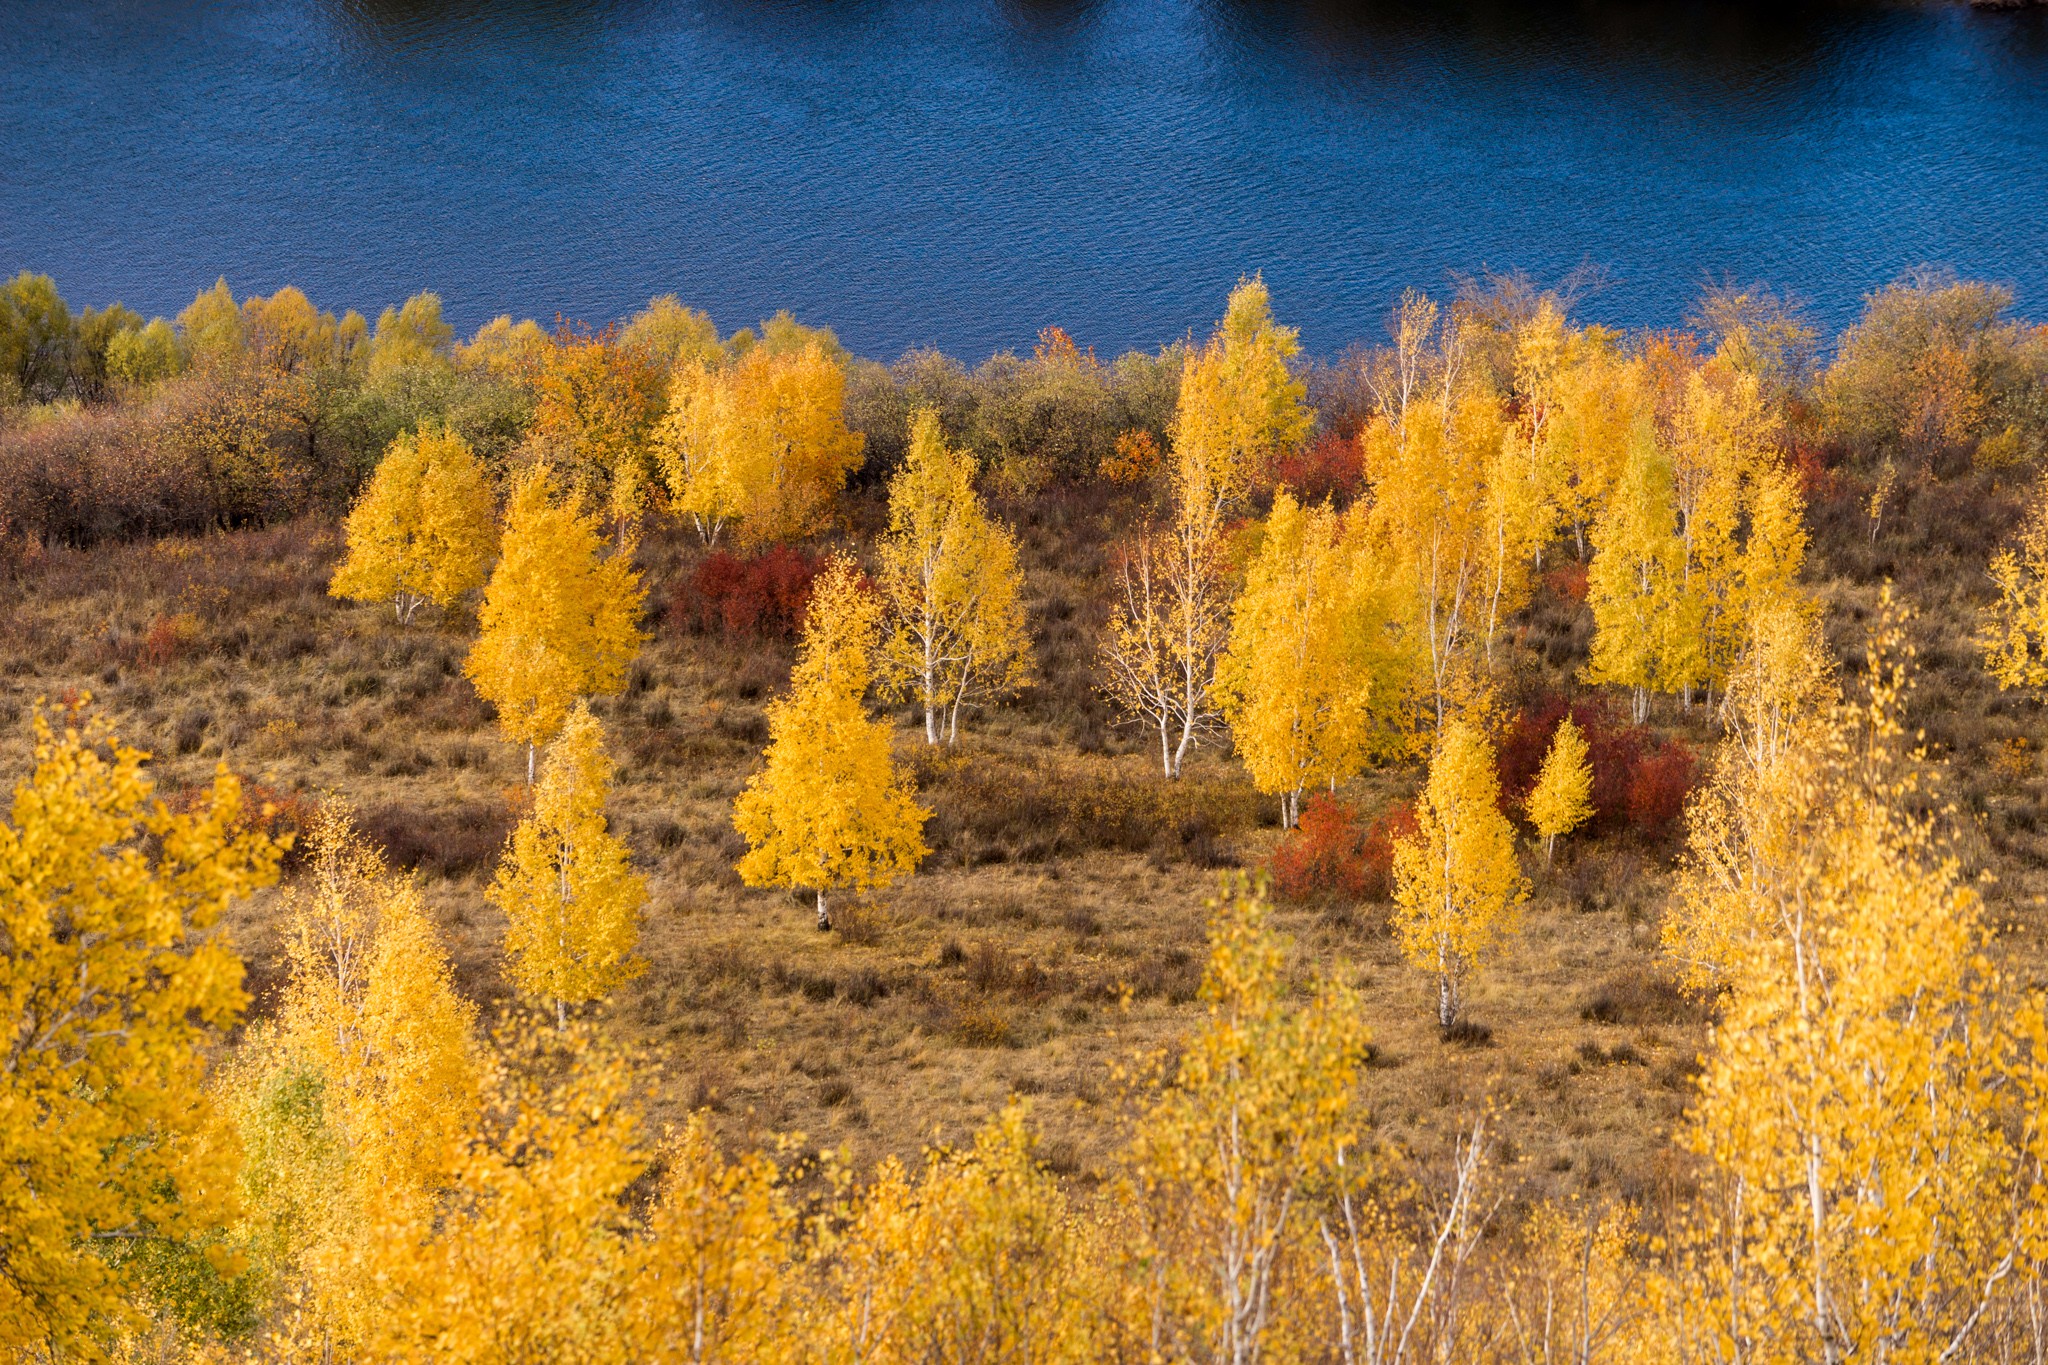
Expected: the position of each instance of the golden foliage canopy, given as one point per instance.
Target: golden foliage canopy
(112, 985)
(560, 618)
(760, 440)
(1457, 882)
(951, 586)
(425, 528)
(1310, 678)
(1562, 798)
(567, 886)
(831, 808)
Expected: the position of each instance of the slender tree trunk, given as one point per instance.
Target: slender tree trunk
(561, 1015)
(1549, 849)
(529, 763)
(824, 916)
(1446, 1000)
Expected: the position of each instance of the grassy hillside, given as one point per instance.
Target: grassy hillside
(1056, 930)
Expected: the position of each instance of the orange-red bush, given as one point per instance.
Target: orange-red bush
(763, 595)
(1567, 581)
(1331, 852)
(1333, 467)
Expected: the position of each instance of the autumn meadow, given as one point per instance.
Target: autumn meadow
(1517, 842)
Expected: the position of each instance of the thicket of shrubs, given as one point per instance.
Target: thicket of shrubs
(746, 597)
(241, 412)
(1641, 780)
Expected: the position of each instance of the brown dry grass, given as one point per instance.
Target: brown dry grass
(1056, 932)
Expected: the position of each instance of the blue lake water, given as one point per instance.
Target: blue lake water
(964, 172)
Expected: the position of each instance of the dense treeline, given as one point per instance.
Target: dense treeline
(1324, 565)
(241, 411)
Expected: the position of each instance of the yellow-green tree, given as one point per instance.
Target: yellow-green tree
(1254, 1115)
(424, 530)
(1239, 405)
(1455, 539)
(113, 987)
(2015, 627)
(1457, 883)
(528, 1255)
(830, 809)
(504, 348)
(1868, 1127)
(760, 440)
(1306, 681)
(210, 328)
(567, 886)
(378, 1048)
(410, 336)
(1635, 582)
(1562, 798)
(950, 581)
(665, 334)
(560, 617)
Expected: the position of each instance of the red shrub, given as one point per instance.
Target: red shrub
(1334, 467)
(160, 644)
(1331, 853)
(1658, 788)
(761, 596)
(1568, 581)
(1613, 752)
(1519, 755)
(1818, 482)
(1377, 850)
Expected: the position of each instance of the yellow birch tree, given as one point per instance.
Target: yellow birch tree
(112, 987)
(372, 1019)
(760, 440)
(1598, 406)
(529, 1254)
(1306, 678)
(1634, 582)
(950, 582)
(424, 530)
(2014, 632)
(1456, 543)
(1457, 882)
(1561, 800)
(1868, 1126)
(1168, 626)
(560, 618)
(1170, 621)
(720, 1280)
(830, 809)
(1253, 1116)
(567, 886)
(1239, 405)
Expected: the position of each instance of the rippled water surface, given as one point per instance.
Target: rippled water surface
(962, 172)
